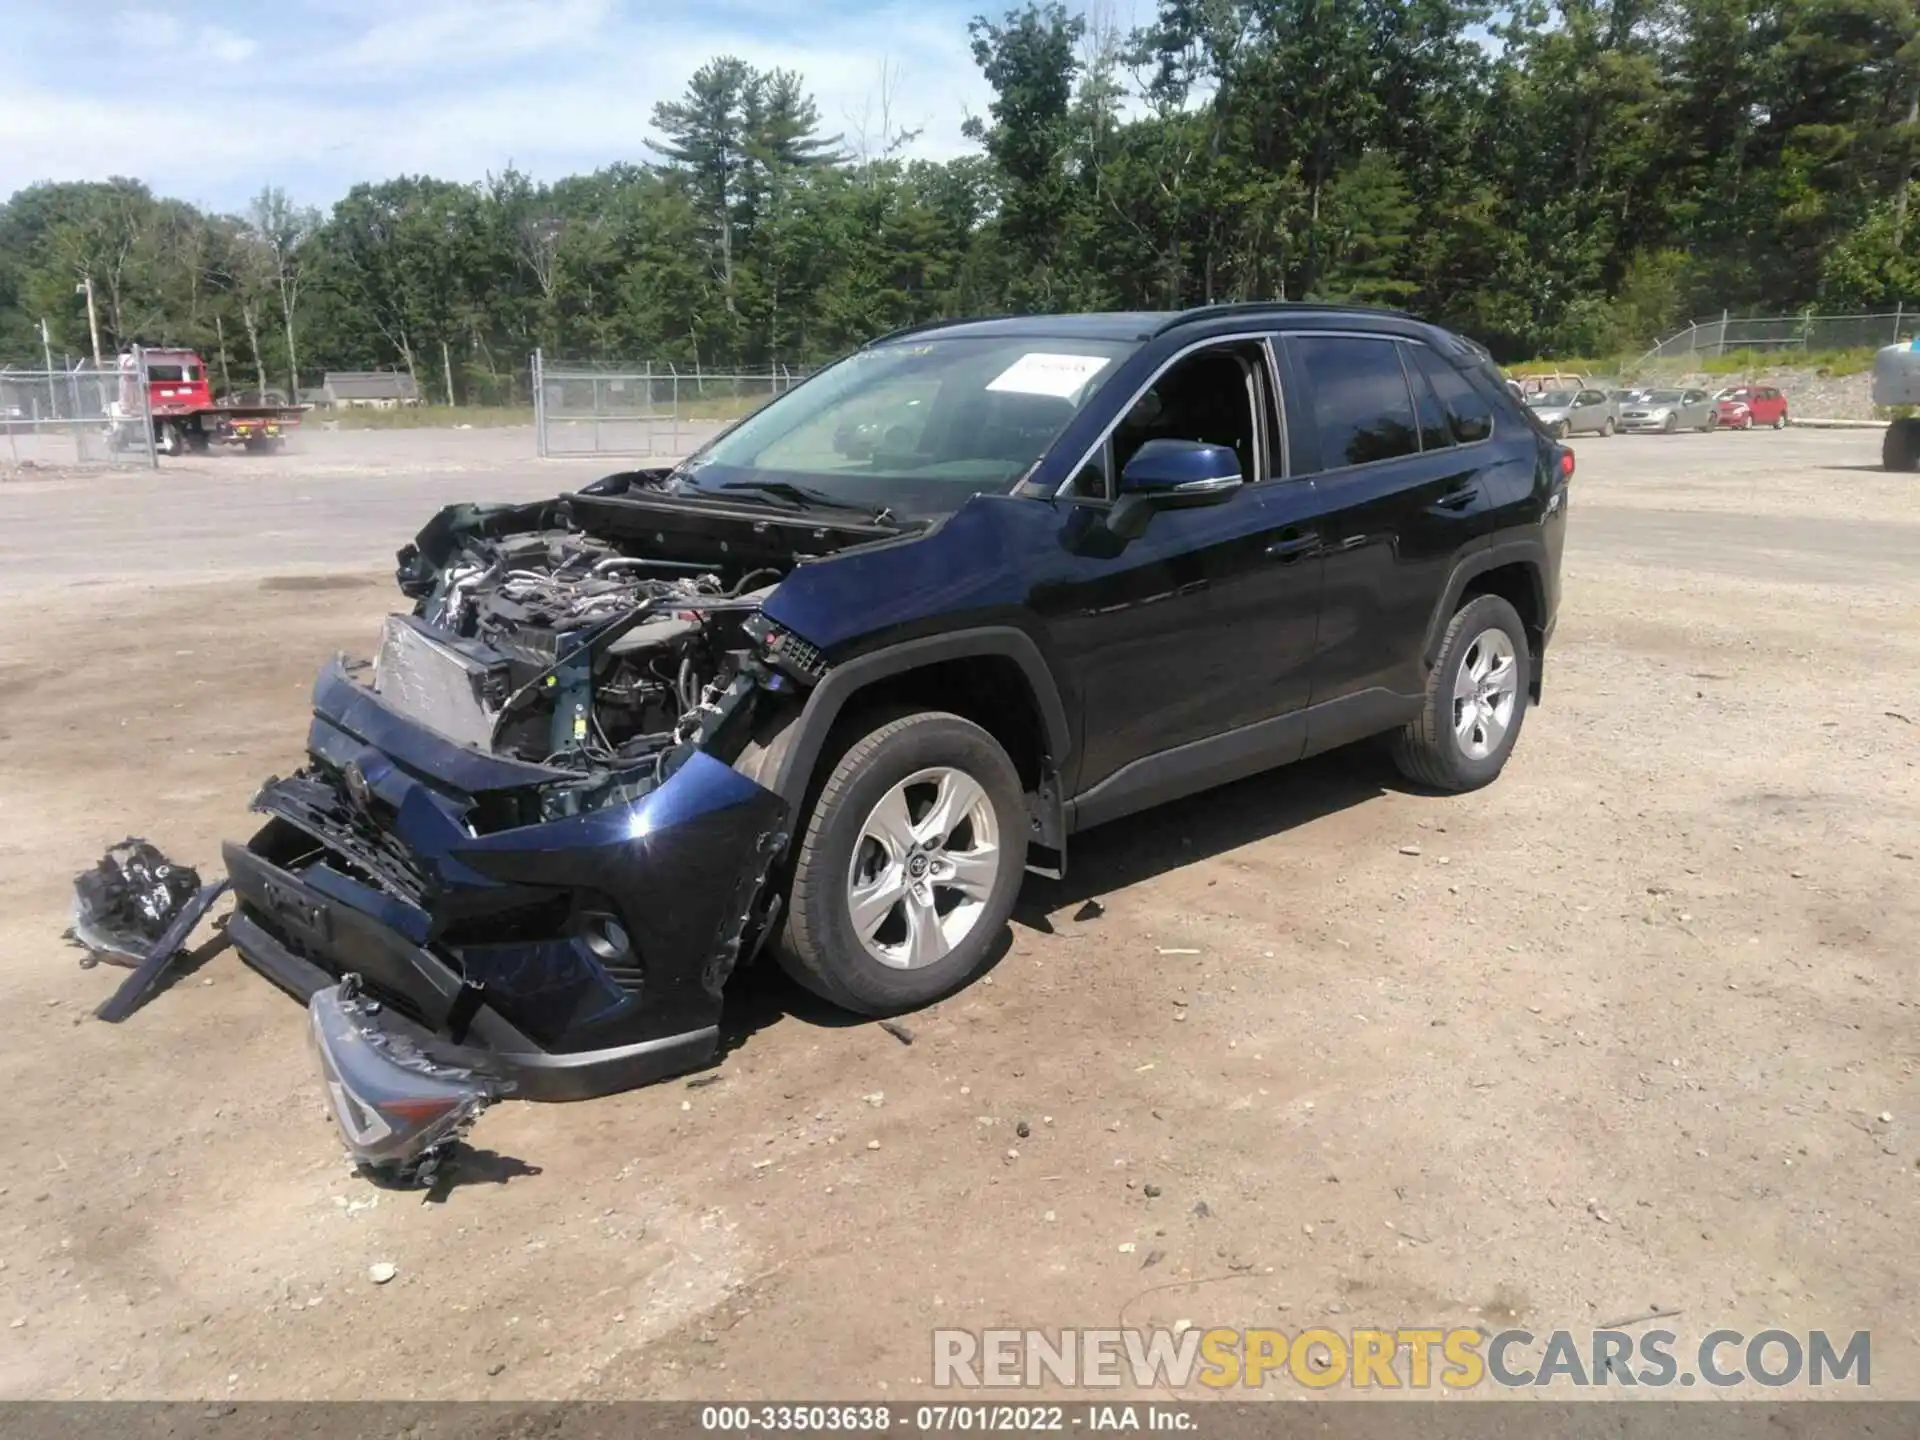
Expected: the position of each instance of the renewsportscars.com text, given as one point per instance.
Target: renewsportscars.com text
(1407, 1358)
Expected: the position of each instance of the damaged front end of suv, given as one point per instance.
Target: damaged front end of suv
(529, 845)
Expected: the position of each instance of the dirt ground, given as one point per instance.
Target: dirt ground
(1635, 1027)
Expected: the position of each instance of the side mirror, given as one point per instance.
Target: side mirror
(1172, 475)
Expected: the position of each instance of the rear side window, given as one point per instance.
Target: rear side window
(1362, 407)
(1435, 433)
(1468, 415)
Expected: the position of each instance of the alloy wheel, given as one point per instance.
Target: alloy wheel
(1485, 691)
(923, 868)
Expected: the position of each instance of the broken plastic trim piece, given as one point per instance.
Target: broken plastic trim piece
(169, 947)
(397, 1109)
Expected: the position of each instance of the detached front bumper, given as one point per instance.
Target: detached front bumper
(564, 959)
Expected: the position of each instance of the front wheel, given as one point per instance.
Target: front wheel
(1780, 421)
(1673, 424)
(1711, 423)
(1900, 447)
(1476, 700)
(1606, 428)
(1562, 429)
(909, 867)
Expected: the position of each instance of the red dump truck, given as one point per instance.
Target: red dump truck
(184, 414)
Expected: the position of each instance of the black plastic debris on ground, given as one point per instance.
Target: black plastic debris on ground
(124, 904)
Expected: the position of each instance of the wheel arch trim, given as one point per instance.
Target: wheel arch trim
(1530, 552)
(799, 755)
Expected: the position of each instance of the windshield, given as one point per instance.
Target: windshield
(1663, 397)
(915, 427)
(1551, 399)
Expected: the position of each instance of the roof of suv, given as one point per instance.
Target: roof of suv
(1134, 324)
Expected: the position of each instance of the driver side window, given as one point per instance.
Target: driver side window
(1218, 396)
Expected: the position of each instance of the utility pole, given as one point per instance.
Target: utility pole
(93, 318)
(226, 380)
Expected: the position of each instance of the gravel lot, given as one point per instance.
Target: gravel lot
(1634, 1027)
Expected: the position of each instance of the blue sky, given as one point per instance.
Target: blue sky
(209, 100)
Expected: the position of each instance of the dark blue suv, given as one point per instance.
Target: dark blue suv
(835, 682)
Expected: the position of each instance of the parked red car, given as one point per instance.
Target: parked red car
(1745, 406)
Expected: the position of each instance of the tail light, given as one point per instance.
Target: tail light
(1566, 463)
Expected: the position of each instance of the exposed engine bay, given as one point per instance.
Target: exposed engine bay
(579, 655)
(605, 633)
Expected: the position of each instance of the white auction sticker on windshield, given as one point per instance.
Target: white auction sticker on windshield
(1061, 376)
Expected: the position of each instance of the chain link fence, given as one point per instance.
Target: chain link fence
(1789, 332)
(650, 411)
(83, 417)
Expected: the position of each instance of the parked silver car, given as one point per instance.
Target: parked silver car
(1570, 412)
(1670, 410)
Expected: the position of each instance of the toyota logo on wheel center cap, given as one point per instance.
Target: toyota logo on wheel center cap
(917, 866)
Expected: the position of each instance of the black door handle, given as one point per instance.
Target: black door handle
(1288, 550)
(1459, 499)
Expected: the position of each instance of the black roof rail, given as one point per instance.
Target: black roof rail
(1269, 307)
(926, 325)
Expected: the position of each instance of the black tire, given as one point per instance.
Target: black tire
(819, 946)
(1606, 428)
(1710, 424)
(1562, 429)
(1780, 421)
(1672, 425)
(1900, 447)
(1428, 750)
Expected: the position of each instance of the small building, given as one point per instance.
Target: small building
(370, 389)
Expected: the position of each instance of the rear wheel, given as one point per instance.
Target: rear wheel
(1780, 421)
(909, 866)
(1711, 423)
(1476, 701)
(1606, 427)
